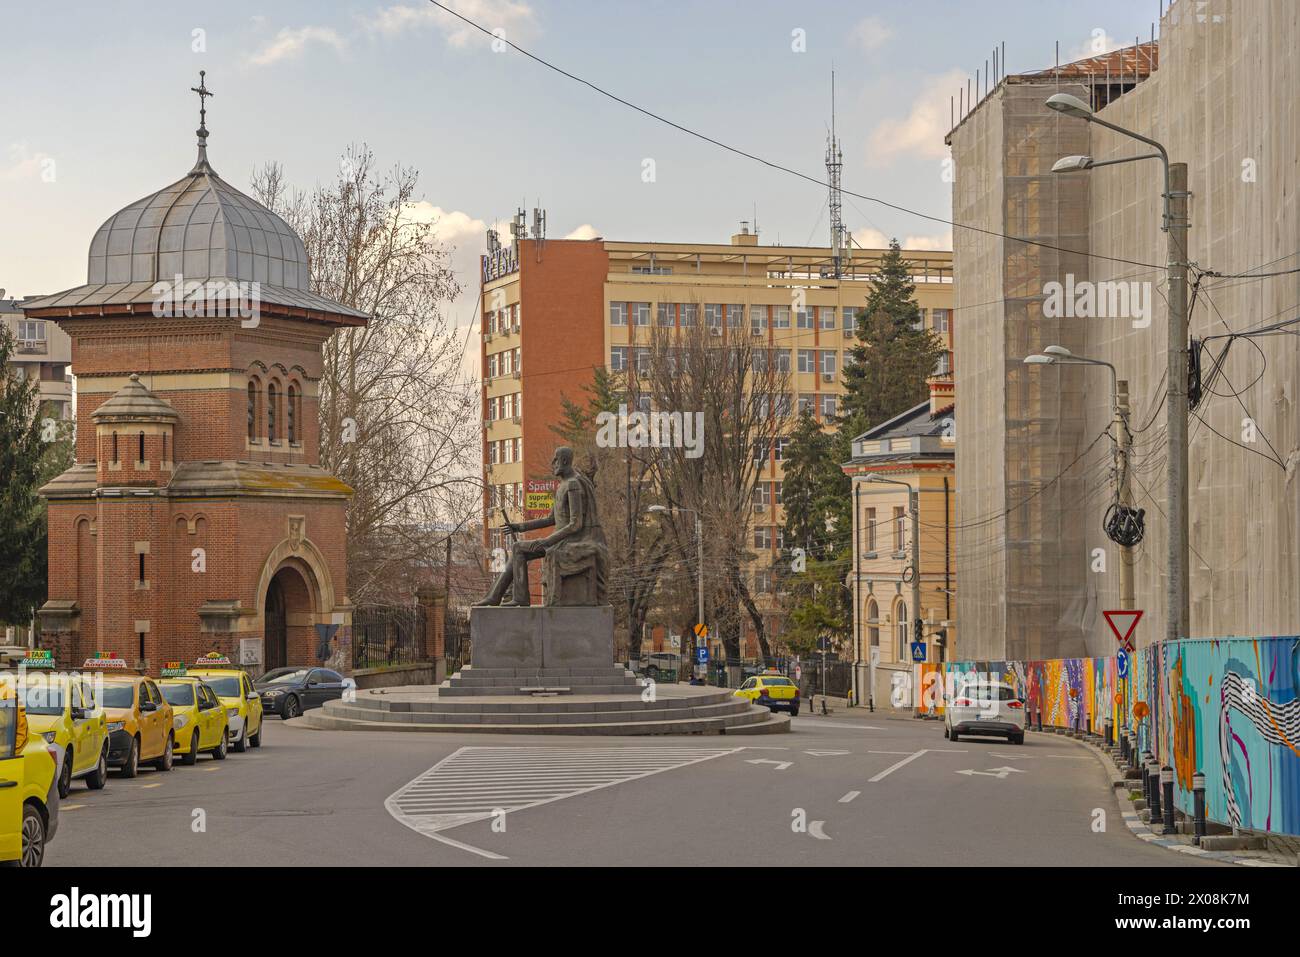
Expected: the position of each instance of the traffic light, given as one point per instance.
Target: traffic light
(918, 629)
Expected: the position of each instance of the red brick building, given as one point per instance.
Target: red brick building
(197, 517)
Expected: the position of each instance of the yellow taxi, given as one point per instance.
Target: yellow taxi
(29, 788)
(139, 724)
(242, 703)
(773, 690)
(64, 710)
(199, 720)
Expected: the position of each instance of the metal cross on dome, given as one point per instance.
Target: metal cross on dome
(203, 93)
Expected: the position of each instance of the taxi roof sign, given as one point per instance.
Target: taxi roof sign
(105, 660)
(173, 669)
(39, 658)
(213, 659)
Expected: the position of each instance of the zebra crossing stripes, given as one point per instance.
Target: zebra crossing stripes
(476, 783)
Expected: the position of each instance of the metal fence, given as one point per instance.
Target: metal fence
(387, 635)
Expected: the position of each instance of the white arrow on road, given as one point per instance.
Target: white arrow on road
(815, 829)
(780, 765)
(998, 773)
(822, 754)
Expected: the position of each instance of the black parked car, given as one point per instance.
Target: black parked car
(289, 692)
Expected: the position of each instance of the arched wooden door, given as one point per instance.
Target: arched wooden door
(277, 626)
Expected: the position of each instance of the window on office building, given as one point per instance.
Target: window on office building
(829, 360)
(618, 358)
(640, 313)
(667, 313)
(826, 317)
(780, 317)
(807, 360)
(618, 314)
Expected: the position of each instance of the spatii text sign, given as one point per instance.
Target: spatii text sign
(539, 497)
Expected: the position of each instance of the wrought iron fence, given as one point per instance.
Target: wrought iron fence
(387, 635)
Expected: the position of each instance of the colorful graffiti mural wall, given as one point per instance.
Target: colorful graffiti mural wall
(1227, 707)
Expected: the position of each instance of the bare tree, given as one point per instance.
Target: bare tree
(739, 390)
(397, 418)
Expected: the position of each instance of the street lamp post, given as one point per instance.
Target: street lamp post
(913, 506)
(1178, 618)
(699, 551)
(1059, 355)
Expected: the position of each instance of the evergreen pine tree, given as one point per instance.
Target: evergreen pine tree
(893, 354)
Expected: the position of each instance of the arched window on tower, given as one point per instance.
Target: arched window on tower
(272, 401)
(292, 414)
(873, 624)
(140, 458)
(114, 459)
(252, 410)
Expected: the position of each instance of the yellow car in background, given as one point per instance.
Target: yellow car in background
(773, 690)
(63, 710)
(139, 724)
(243, 705)
(29, 789)
(199, 720)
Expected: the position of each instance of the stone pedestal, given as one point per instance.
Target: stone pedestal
(555, 637)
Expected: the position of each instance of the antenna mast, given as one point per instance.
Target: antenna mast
(834, 162)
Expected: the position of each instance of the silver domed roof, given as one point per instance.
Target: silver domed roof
(202, 228)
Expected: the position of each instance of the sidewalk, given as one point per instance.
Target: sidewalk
(1240, 849)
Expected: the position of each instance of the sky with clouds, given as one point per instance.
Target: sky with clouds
(98, 110)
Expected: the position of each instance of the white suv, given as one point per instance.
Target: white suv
(984, 707)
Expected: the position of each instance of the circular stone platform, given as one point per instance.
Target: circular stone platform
(677, 709)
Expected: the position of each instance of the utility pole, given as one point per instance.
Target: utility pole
(914, 506)
(1122, 447)
(1178, 617)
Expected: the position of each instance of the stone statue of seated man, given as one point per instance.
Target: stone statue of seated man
(574, 557)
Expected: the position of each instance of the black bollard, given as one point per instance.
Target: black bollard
(1198, 805)
(1167, 795)
(1153, 776)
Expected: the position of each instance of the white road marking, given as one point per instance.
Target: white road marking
(475, 783)
(849, 797)
(815, 829)
(809, 722)
(824, 754)
(894, 767)
(998, 773)
(780, 765)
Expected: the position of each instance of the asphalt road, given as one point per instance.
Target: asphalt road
(885, 791)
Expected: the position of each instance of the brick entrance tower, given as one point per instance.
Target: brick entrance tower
(197, 517)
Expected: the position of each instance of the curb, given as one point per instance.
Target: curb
(1143, 832)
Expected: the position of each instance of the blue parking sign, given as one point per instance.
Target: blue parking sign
(702, 655)
(918, 651)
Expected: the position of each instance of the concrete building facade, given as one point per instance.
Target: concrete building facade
(43, 355)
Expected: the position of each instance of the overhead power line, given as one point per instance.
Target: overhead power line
(769, 163)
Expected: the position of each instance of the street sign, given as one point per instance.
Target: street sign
(675, 641)
(1128, 621)
(702, 655)
(1121, 663)
(918, 651)
(701, 630)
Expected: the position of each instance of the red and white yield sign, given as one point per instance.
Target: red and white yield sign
(1126, 620)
